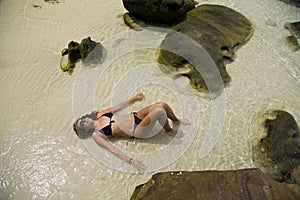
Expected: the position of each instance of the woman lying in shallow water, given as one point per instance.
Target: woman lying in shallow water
(105, 124)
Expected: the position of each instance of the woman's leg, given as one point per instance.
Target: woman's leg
(170, 114)
(169, 111)
(157, 112)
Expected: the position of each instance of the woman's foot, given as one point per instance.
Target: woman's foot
(182, 121)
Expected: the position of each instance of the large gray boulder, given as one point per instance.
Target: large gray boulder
(220, 31)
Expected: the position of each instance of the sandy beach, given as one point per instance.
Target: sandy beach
(40, 155)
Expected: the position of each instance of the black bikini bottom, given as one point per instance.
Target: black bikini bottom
(137, 121)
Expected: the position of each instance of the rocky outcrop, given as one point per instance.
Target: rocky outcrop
(165, 12)
(278, 151)
(220, 31)
(214, 185)
(89, 51)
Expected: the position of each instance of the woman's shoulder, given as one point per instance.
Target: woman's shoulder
(102, 112)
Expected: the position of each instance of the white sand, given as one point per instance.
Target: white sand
(40, 155)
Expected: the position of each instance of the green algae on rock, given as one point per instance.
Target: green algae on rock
(70, 56)
(89, 51)
(166, 12)
(211, 185)
(278, 152)
(220, 31)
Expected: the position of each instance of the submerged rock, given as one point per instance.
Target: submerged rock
(93, 52)
(165, 12)
(292, 2)
(234, 184)
(293, 28)
(278, 152)
(54, 1)
(291, 43)
(271, 22)
(89, 51)
(220, 31)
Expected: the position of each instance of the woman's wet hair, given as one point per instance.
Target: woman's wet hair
(81, 132)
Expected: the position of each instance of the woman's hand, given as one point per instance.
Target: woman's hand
(138, 165)
(139, 96)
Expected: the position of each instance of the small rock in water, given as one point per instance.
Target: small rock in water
(291, 42)
(271, 22)
(89, 51)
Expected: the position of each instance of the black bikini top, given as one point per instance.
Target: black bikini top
(107, 129)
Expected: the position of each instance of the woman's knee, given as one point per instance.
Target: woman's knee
(158, 110)
(162, 104)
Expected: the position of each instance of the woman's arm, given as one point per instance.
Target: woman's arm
(123, 104)
(103, 142)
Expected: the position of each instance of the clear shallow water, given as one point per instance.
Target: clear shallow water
(41, 156)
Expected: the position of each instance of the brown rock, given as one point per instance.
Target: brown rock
(237, 184)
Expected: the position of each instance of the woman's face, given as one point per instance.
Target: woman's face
(85, 123)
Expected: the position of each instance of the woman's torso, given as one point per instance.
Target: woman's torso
(121, 125)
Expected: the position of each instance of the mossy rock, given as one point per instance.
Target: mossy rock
(89, 51)
(92, 52)
(220, 31)
(279, 150)
(156, 12)
(70, 56)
